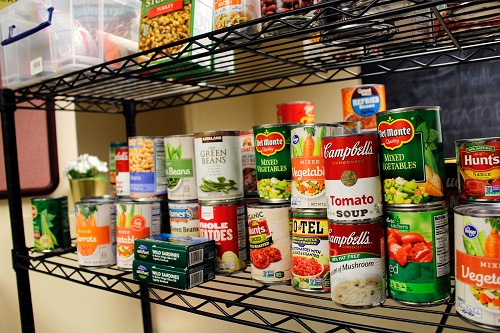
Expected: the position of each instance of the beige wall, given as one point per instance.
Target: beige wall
(62, 306)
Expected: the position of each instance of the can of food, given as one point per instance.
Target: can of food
(361, 103)
(477, 290)
(310, 250)
(353, 188)
(218, 165)
(269, 233)
(412, 156)
(357, 263)
(184, 218)
(147, 167)
(296, 112)
(96, 233)
(419, 254)
(224, 222)
(51, 223)
(122, 171)
(248, 163)
(112, 162)
(347, 127)
(228, 14)
(273, 162)
(467, 16)
(180, 168)
(478, 163)
(135, 218)
(452, 200)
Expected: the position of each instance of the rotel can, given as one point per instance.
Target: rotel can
(122, 171)
(419, 254)
(300, 112)
(224, 222)
(353, 189)
(51, 223)
(357, 263)
(361, 103)
(180, 168)
(184, 218)
(412, 156)
(478, 163)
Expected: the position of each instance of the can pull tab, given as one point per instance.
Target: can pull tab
(11, 39)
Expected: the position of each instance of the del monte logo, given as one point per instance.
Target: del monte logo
(394, 133)
(269, 143)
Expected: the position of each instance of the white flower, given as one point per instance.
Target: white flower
(85, 166)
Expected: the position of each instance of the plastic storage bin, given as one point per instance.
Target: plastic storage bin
(45, 38)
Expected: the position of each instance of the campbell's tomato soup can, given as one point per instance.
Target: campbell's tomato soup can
(180, 168)
(122, 167)
(218, 165)
(270, 242)
(296, 112)
(412, 156)
(248, 163)
(353, 189)
(357, 263)
(273, 162)
(96, 233)
(135, 218)
(361, 103)
(477, 262)
(310, 250)
(224, 222)
(147, 167)
(478, 163)
(419, 254)
(184, 218)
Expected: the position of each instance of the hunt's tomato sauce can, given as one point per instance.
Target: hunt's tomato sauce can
(301, 112)
(270, 244)
(478, 163)
(353, 189)
(477, 262)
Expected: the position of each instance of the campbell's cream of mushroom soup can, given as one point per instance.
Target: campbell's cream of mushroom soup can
(180, 168)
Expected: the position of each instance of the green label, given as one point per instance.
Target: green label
(50, 224)
(182, 168)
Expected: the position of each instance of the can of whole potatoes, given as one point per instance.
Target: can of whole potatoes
(218, 165)
(419, 254)
(184, 218)
(361, 103)
(353, 189)
(296, 112)
(147, 167)
(51, 223)
(248, 163)
(270, 242)
(135, 219)
(357, 263)
(96, 233)
(122, 171)
(477, 288)
(224, 222)
(273, 162)
(412, 156)
(310, 250)
(478, 163)
(180, 168)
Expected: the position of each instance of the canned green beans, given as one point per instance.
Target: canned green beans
(50, 223)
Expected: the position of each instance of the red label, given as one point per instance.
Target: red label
(121, 159)
(296, 113)
(479, 158)
(269, 143)
(355, 238)
(162, 9)
(395, 132)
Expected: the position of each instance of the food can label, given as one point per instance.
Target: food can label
(296, 112)
(122, 171)
(50, 223)
(112, 162)
(229, 13)
(310, 251)
(357, 263)
(184, 218)
(96, 234)
(218, 165)
(477, 262)
(248, 163)
(273, 162)
(353, 189)
(270, 243)
(419, 256)
(412, 156)
(225, 224)
(362, 103)
(147, 167)
(180, 169)
(134, 220)
(478, 163)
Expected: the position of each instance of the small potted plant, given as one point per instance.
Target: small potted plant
(85, 176)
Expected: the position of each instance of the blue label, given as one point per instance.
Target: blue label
(470, 231)
(366, 106)
(142, 182)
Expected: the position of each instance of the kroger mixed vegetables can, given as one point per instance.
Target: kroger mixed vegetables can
(301, 112)
(184, 218)
(180, 168)
(310, 250)
(419, 254)
(477, 262)
(273, 162)
(96, 233)
(51, 223)
(412, 156)
(478, 163)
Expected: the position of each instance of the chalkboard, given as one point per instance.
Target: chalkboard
(468, 94)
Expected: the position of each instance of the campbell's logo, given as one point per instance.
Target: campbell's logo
(394, 133)
(352, 240)
(269, 143)
(358, 149)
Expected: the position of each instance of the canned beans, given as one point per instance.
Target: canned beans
(141, 159)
